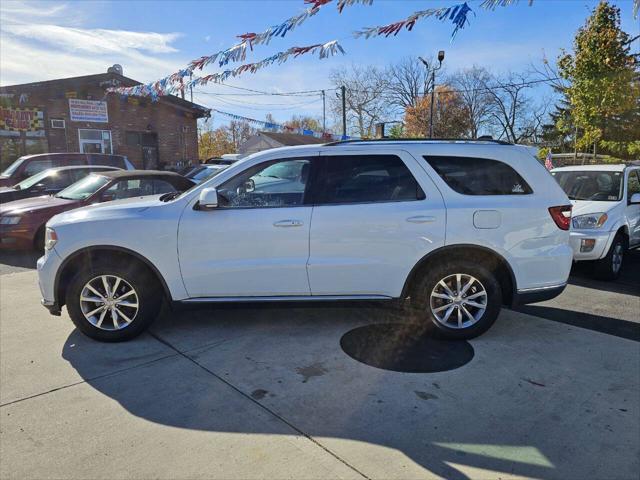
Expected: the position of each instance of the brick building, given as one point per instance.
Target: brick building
(76, 115)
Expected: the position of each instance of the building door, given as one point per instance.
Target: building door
(95, 141)
(150, 157)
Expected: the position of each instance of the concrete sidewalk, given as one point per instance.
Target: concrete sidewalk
(269, 393)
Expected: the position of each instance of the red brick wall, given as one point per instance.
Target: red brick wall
(175, 127)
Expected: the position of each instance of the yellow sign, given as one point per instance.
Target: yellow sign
(21, 119)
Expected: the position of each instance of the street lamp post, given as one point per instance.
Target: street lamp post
(433, 86)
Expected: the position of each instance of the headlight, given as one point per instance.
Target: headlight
(590, 221)
(50, 238)
(10, 220)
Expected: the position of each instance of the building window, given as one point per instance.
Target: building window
(57, 123)
(95, 141)
(133, 139)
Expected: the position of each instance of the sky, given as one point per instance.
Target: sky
(44, 40)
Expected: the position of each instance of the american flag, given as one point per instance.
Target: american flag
(547, 161)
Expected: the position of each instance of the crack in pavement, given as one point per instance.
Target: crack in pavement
(264, 407)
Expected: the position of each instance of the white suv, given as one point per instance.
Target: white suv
(457, 227)
(606, 213)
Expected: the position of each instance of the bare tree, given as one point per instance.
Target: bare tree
(409, 81)
(514, 115)
(471, 87)
(366, 103)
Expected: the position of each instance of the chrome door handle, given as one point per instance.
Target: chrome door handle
(421, 219)
(288, 223)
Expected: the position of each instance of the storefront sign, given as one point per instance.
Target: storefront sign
(88, 111)
(21, 119)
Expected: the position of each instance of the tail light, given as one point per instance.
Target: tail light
(562, 216)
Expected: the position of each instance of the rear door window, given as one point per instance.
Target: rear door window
(478, 176)
(348, 179)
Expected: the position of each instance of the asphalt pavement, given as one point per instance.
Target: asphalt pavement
(305, 392)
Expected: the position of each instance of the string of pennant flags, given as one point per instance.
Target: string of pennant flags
(457, 15)
(275, 127)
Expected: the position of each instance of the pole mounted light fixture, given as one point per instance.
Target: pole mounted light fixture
(433, 85)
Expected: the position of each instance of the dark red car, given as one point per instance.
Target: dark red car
(29, 165)
(22, 222)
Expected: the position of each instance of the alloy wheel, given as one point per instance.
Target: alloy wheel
(616, 258)
(109, 302)
(458, 301)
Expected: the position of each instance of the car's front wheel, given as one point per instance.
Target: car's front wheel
(460, 300)
(608, 268)
(113, 303)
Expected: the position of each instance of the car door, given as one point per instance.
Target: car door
(632, 210)
(256, 242)
(376, 215)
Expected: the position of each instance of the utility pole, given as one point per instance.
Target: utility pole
(324, 114)
(344, 111)
(433, 86)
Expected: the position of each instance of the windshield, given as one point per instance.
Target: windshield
(35, 179)
(83, 188)
(592, 185)
(12, 168)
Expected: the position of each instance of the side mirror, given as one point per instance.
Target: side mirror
(39, 187)
(635, 198)
(208, 199)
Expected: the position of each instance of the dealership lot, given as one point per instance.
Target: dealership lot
(552, 391)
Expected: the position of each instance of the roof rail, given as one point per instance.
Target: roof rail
(376, 140)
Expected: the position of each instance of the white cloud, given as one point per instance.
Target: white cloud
(94, 40)
(43, 42)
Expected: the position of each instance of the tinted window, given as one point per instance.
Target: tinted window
(366, 178)
(281, 183)
(129, 189)
(162, 186)
(36, 166)
(109, 161)
(590, 184)
(478, 176)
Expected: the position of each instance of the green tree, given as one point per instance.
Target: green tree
(604, 90)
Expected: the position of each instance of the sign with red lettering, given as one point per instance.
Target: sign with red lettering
(21, 119)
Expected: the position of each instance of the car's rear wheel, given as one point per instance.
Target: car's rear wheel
(458, 300)
(113, 303)
(608, 268)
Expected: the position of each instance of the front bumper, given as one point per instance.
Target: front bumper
(47, 269)
(535, 295)
(602, 243)
(16, 237)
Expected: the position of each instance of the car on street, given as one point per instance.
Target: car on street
(202, 172)
(48, 182)
(606, 213)
(28, 165)
(452, 229)
(22, 222)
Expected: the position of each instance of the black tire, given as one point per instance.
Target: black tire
(146, 288)
(605, 269)
(421, 310)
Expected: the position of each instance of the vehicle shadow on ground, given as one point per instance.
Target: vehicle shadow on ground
(20, 259)
(252, 355)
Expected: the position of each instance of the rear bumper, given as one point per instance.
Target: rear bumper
(534, 295)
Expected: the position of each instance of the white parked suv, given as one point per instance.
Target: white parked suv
(457, 228)
(606, 213)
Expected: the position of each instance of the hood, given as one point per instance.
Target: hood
(113, 209)
(584, 207)
(35, 204)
